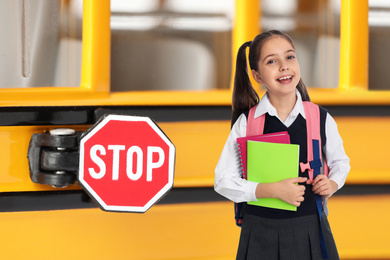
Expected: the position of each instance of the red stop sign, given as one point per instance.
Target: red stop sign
(126, 163)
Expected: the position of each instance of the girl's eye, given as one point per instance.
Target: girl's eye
(291, 57)
(271, 61)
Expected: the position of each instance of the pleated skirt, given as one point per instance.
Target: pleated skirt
(284, 239)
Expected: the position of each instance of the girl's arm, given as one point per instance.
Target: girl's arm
(337, 161)
(228, 181)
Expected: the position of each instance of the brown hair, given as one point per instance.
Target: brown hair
(244, 95)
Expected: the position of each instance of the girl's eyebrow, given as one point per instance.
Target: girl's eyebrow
(288, 51)
(292, 50)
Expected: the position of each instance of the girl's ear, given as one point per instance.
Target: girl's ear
(256, 76)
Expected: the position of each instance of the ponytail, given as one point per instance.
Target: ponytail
(301, 87)
(244, 95)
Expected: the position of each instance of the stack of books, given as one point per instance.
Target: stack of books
(269, 158)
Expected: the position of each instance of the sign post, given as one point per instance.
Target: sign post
(126, 163)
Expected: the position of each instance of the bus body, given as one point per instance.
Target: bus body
(191, 222)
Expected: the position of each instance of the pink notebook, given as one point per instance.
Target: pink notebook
(278, 137)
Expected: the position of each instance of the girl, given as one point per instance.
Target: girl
(272, 233)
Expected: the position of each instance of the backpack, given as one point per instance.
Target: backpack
(255, 126)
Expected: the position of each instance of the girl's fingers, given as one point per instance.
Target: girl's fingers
(299, 179)
(319, 178)
(322, 186)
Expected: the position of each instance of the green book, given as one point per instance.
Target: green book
(272, 162)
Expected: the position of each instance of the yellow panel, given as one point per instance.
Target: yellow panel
(188, 231)
(199, 145)
(360, 226)
(204, 231)
(366, 143)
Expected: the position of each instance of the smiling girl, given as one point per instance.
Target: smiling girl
(269, 233)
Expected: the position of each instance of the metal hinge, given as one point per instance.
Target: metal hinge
(54, 157)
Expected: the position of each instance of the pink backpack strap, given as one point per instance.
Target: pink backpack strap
(314, 154)
(255, 126)
(313, 125)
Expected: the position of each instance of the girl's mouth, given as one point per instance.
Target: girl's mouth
(285, 79)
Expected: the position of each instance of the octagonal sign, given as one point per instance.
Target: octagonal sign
(126, 163)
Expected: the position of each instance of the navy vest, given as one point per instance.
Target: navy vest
(298, 135)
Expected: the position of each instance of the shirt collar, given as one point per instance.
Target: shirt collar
(265, 106)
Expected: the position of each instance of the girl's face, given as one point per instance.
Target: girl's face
(278, 68)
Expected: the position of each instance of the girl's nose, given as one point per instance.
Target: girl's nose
(283, 66)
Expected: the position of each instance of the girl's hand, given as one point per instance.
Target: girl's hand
(323, 186)
(288, 191)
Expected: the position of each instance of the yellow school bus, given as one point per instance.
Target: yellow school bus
(66, 63)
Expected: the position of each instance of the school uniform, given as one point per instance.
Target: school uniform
(277, 234)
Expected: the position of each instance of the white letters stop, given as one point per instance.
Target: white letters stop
(98, 151)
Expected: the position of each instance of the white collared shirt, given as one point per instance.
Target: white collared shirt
(228, 181)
